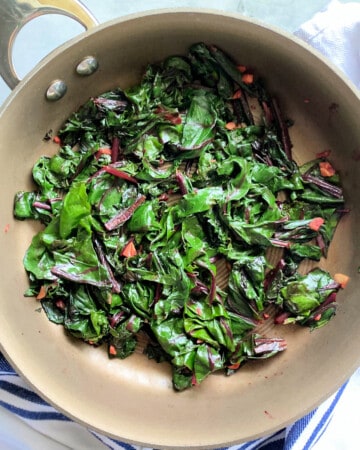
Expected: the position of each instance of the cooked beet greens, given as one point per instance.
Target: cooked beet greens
(151, 189)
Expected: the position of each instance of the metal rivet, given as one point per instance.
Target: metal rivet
(87, 66)
(56, 90)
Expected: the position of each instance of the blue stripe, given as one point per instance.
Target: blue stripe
(327, 414)
(277, 439)
(4, 365)
(33, 415)
(295, 430)
(275, 445)
(123, 445)
(250, 444)
(21, 392)
(321, 431)
(99, 439)
(258, 444)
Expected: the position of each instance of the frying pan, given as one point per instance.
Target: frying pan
(133, 400)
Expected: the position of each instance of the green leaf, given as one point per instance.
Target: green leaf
(199, 124)
(144, 218)
(307, 292)
(200, 200)
(76, 207)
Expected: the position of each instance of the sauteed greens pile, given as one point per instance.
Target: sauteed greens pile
(157, 188)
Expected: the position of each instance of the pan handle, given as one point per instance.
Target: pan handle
(14, 14)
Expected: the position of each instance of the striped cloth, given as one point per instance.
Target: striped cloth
(19, 399)
(33, 424)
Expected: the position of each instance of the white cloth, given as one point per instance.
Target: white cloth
(335, 32)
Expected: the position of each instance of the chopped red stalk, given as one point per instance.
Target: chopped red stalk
(124, 215)
(57, 140)
(227, 328)
(211, 358)
(191, 275)
(267, 113)
(199, 288)
(331, 299)
(115, 319)
(102, 170)
(104, 103)
(158, 292)
(237, 94)
(148, 260)
(102, 151)
(267, 345)
(42, 293)
(212, 289)
(60, 304)
(129, 250)
(115, 148)
(279, 319)
(193, 380)
(173, 117)
(342, 279)
(112, 350)
(270, 276)
(317, 317)
(163, 197)
(181, 182)
(120, 174)
(316, 223)
(231, 126)
(115, 284)
(284, 132)
(280, 243)
(326, 169)
(331, 189)
(41, 205)
(212, 292)
(234, 366)
(248, 78)
(321, 244)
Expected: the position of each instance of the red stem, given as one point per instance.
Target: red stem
(41, 205)
(115, 147)
(124, 215)
(120, 174)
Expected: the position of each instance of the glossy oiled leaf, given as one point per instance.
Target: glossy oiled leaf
(76, 207)
(156, 190)
(199, 123)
